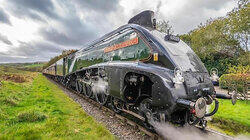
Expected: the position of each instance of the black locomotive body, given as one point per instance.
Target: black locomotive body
(139, 69)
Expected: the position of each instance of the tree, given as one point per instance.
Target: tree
(214, 44)
(163, 26)
(223, 42)
(238, 20)
(56, 58)
(212, 38)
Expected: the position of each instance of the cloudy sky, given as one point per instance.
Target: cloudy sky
(36, 30)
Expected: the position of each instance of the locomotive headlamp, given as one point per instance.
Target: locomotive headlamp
(178, 78)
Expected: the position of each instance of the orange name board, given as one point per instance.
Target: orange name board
(122, 45)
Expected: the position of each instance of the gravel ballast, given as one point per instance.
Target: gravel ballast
(118, 128)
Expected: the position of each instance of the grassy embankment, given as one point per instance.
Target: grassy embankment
(232, 119)
(38, 109)
(35, 67)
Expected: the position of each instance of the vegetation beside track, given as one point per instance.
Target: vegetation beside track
(35, 66)
(38, 109)
(35, 108)
(232, 119)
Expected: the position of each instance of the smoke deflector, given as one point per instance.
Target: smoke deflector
(145, 19)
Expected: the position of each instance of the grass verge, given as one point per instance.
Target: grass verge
(232, 119)
(40, 110)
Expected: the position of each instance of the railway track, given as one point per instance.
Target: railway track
(134, 124)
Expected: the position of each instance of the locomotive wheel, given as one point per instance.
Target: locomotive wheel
(84, 89)
(147, 113)
(79, 87)
(115, 105)
(193, 120)
(88, 92)
(102, 98)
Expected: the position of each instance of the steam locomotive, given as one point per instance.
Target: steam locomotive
(140, 70)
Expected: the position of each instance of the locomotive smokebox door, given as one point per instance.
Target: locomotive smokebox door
(200, 107)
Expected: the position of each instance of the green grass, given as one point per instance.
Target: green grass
(20, 67)
(40, 110)
(10, 70)
(233, 119)
(33, 65)
(10, 73)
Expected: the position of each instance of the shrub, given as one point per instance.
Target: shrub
(237, 80)
(31, 116)
(219, 62)
(14, 78)
(239, 69)
(10, 101)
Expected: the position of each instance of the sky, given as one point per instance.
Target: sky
(37, 30)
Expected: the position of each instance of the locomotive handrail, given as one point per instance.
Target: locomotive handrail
(215, 109)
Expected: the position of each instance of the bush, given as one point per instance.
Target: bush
(231, 81)
(10, 101)
(237, 80)
(222, 63)
(239, 69)
(31, 116)
(14, 78)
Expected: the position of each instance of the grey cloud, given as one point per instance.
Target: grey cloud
(75, 32)
(190, 15)
(53, 35)
(66, 39)
(98, 5)
(211, 4)
(5, 39)
(4, 17)
(102, 14)
(10, 59)
(32, 8)
(71, 30)
(31, 51)
(184, 17)
(34, 16)
(85, 20)
(35, 49)
(16, 59)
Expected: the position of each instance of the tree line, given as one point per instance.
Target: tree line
(223, 42)
(56, 58)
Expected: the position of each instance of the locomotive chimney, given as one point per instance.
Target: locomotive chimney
(145, 19)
